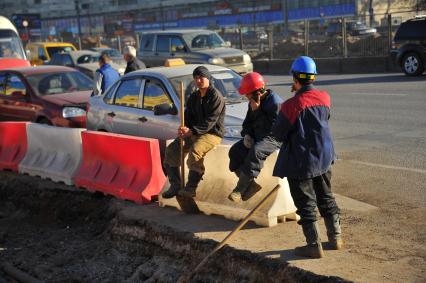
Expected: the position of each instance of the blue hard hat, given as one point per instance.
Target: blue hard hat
(304, 64)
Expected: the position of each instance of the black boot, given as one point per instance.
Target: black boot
(244, 182)
(251, 190)
(313, 249)
(194, 179)
(174, 179)
(334, 232)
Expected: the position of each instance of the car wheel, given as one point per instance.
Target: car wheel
(412, 64)
(44, 121)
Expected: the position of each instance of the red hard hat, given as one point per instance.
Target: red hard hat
(251, 82)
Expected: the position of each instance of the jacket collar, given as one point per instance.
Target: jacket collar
(304, 89)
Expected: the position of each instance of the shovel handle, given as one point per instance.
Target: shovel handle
(182, 124)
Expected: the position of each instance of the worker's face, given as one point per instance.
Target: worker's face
(201, 82)
(126, 57)
(255, 95)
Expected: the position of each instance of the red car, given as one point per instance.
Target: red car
(52, 95)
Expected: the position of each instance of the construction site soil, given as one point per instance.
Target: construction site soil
(55, 233)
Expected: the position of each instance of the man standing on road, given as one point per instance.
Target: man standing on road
(105, 76)
(247, 156)
(133, 63)
(204, 129)
(306, 157)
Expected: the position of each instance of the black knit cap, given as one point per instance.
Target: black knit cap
(202, 72)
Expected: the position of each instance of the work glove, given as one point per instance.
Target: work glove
(248, 141)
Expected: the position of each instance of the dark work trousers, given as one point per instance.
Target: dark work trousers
(312, 192)
(250, 160)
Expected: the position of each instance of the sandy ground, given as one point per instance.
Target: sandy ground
(382, 245)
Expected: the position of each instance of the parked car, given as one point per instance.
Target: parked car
(85, 61)
(45, 94)
(409, 46)
(115, 55)
(352, 28)
(194, 47)
(146, 103)
(41, 52)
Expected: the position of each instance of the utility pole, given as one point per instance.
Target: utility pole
(77, 8)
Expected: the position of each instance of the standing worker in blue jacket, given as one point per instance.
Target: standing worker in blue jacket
(306, 156)
(105, 76)
(247, 156)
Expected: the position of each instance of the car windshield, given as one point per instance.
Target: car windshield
(10, 46)
(59, 82)
(226, 82)
(203, 40)
(111, 52)
(58, 49)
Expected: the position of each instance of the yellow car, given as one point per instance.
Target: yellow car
(42, 52)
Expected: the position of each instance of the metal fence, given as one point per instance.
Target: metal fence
(323, 38)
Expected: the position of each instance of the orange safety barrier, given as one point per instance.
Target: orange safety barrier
(13, 144)
(123, 166)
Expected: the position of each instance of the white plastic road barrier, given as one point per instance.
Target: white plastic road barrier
(218, 182)
(53, 152)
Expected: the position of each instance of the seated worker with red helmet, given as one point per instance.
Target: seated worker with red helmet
(246, 157)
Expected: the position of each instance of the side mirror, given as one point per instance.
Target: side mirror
(28, 53)
(19, 95)
(165, 108)
(227, 44)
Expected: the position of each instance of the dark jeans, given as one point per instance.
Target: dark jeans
(309, 193)
(250, 160)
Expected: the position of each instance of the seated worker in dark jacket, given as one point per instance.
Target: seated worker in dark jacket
(247, 156)
(204, 129)
(133, 63)
(306, 157)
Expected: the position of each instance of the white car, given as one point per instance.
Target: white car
(146, 102)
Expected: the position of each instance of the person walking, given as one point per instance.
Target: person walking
(306, 156)
(105, 76)
(133, 63)
(203, 130)
(246, 157)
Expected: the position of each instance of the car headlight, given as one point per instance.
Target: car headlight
(70, 112)
(233, 131)
(216, 61)
(246, 59)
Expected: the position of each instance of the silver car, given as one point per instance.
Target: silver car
(146, 102)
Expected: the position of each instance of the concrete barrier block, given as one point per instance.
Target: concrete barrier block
(53, 153)
(364, 65)
(13, 144)
(218, 182)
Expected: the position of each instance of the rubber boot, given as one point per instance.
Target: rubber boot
(251, 190)
(194, 179)
(313, 249)
(174, 179)
(334, 232)
(244, 182)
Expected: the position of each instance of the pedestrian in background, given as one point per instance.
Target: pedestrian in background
(133, 63)
(203, 130)
(306, 156)
(246, 157)
(105, 76)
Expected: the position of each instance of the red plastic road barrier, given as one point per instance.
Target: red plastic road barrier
(123, 166)
(13, 144)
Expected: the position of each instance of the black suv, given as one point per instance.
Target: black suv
(409, 50)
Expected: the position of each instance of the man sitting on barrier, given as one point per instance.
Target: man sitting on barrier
(247, 156)
(306, 157)
(204, 129)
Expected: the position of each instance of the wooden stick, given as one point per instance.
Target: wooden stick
(182, 124)
(230, 235)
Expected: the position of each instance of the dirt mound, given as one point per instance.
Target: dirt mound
(60, 234)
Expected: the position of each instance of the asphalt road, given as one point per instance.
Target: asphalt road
(378, 118)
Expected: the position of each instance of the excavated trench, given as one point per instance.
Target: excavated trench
(54, 233)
